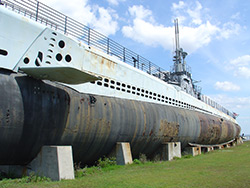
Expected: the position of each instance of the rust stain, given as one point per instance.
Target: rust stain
(169, 130)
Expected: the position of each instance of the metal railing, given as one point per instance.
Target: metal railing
(50, 17)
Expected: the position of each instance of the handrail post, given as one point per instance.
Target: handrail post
(108, 46)
(89, 37)
(124, 55)
(138, 63)
(37, 7)
(149, 67)
(65, 25)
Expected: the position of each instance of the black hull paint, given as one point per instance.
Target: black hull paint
(34, 113)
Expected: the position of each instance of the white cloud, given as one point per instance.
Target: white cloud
(99, 18)
(195, 14)
(243, 72)
(229, 29)
(194, 32)
(236, 16)
(187, 12)
(149, 34)
(144, 29)
(115, 2)
(241, 66)
(226, 86)
(241, 61)
(139, 12)
(180, 5)
(105, 23)
(232, 103)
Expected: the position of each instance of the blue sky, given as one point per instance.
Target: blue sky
(214, 33)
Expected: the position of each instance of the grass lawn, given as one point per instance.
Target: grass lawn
(221, 168)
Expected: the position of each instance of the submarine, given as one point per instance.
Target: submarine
(63, 83)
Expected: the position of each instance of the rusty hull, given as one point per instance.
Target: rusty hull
(34, 113)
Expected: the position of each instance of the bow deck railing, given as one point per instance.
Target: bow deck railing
(50, 17)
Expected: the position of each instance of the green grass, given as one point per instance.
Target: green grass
(220, 168)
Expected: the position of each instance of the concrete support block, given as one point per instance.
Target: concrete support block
(170, 150)
(239, 141)
(226, 146)
(193, 150)
(207, 149)
(123, 153)
(55, 162)
(218, 147)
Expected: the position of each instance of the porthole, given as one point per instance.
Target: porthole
(150, 93)
(26, 60)
(123, 85)
(118, 83)
(61, 44)
(99, 83)
(106, 80)
(112, 82)
(3, 52)
(133, 88)
(133, 92)
(117, 88)
(93, 82)
(112, 87)
(154, 94)
(128, 91)
(68, 58)
(138, 94)
(142, 90)
(146, 91)
(138, 89)
(58, 57)
(128, 86)
(106, 85)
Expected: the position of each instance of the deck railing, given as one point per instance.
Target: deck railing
(50, 17)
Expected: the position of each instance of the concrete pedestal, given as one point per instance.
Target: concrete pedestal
(123, 153)
(207, 149)
(170, 150)
(218, 147)
(239, 141)
(193, 150)
(55, 162)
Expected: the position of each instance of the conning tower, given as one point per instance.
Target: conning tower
(180, 73)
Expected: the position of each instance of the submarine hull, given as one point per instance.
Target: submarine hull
(35, 113)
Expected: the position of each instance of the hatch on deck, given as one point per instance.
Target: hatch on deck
(68, 75)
